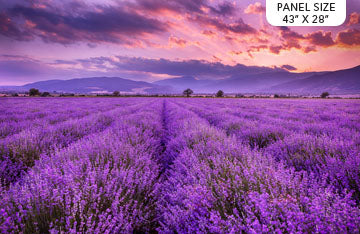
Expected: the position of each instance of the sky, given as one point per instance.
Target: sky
(150, 40)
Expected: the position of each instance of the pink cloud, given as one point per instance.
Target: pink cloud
(354, 18)
(350, 37)
(237, 27)
(275, 49)
(289, 67)
(320, 38)
(255, 8)
(179, 42)
(309, 49)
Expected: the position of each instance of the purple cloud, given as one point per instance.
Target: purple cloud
(24, 68)
(238, 27)
(224, 9)
(198, 68)
(350, 37)
(186, 6)
(120, 23)
(289, 67)
(9, 29)
(103, 24)
(320, 38)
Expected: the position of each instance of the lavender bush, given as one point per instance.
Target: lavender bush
(121, 165)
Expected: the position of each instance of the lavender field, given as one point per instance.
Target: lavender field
(179, 165)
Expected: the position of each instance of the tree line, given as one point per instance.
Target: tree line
(187, 92)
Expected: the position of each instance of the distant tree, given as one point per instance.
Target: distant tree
(276, 95)
(188, 92)
(34, 92)
(116, 93)
(324, 95)
(220, 93)
(45, 94)
(239, 95)
(15, 95)
(67, 95)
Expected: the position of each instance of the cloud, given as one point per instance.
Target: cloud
(255, 8)
(216, 59)
(233, 52)
(208, 33)
(224, 9)
(349, 37)
(184, 67)
(288, 34)
(166, 26)
(320, 38)
(309, 49)
(308, 42)
(238, 27)
(210, 15)
(345, 38)
(103, 24)
(276, 49)
(64, 62)
(289, 67)
(258, 48)
(290, 39)
(177, 42)
(28, 69)
(185, 6)
(9, 29)
(354, 18)
(129, 23)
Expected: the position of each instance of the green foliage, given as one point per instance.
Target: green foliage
(45, 94)
(324, 95)
(188, 92)
(116, 93)
(34, 92)
(220, 93)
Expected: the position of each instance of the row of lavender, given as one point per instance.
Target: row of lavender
(41, 136)
(187, 165)
(317, 137)
(221, 181)
(19, 114)
(99, 176)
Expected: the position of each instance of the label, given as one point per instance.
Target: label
(306, 12)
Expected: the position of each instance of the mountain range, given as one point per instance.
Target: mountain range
(336, 82)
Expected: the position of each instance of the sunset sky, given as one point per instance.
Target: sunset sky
(151, 40)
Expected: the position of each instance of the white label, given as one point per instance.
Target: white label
(306, 12)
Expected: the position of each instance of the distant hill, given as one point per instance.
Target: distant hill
(336, 82)
(97, 85)
(242, 83)
(182, 83)
(255, 83)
